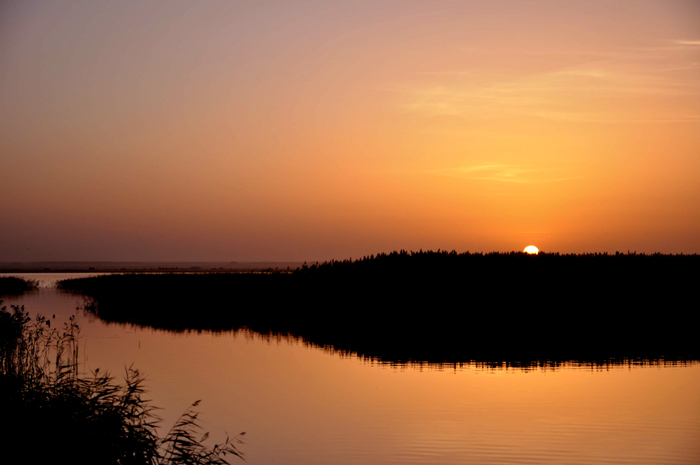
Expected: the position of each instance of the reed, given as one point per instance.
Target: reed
(12, 285)
(51, 413)
(436, 307)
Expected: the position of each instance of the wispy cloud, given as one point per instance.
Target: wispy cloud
(635, 86)
(501, 173)
(687, 42)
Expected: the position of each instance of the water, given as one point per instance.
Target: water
(303, 405)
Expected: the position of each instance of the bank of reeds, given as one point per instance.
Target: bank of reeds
(51, 414)
(11, 285)
(442, 307)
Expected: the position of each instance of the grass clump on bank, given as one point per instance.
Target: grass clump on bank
(51, 414)
(11, 285)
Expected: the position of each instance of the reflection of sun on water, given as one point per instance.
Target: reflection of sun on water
(531, 249)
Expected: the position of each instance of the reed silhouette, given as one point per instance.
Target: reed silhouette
(11, 285)
(435, 307)
(52, 414)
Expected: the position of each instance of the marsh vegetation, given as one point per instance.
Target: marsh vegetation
(11, 285)
(51, 413)
(442, 307)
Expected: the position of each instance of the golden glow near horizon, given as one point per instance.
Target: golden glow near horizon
(307, 131)
(532, 250)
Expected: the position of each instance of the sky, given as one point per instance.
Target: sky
(308, 130)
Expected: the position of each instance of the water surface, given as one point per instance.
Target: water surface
(302, 405)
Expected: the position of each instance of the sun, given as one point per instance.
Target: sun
(532, 250)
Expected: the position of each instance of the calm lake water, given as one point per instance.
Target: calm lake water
(303, 405)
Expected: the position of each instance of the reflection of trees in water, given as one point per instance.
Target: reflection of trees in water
(512, 363)
(437, 307)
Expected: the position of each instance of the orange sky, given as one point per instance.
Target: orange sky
(308, 130)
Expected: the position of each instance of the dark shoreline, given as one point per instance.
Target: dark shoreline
(435, 307)
(138, 267)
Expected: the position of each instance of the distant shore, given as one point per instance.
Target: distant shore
(135, 267)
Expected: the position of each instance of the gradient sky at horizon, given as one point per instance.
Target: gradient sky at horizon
(310, 130)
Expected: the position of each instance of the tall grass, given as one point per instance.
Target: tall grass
(11, 285)
(51, 413)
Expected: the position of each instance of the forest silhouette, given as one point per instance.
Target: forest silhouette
(435, 307)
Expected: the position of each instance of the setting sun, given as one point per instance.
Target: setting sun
(532, 250)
